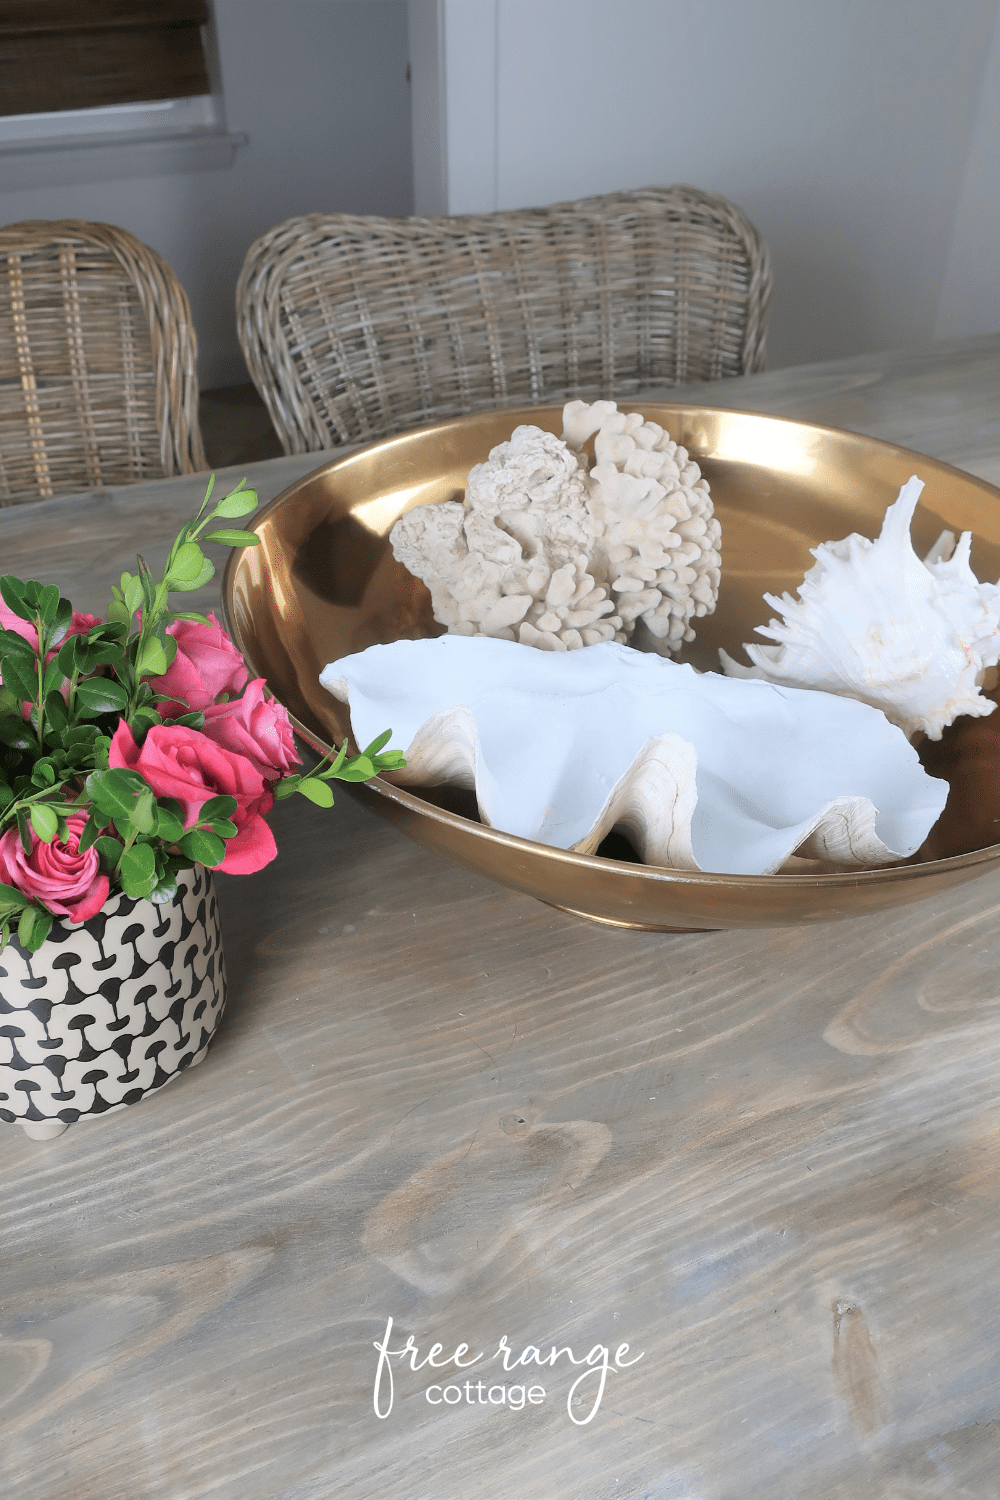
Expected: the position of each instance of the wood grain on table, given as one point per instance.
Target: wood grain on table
(768, 1161)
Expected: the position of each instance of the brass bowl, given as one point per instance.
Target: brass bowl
(324, 583)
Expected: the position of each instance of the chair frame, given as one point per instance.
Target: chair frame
(333, 310)
(179, 448)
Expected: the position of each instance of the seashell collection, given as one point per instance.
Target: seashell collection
(553, 553)
(806, 752)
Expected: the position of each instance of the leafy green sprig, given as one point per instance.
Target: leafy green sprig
(337, 766)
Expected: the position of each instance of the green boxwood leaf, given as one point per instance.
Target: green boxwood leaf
(223, 828)
(12, 593)
(65, 658)
(43, 772)
(108, 848)
(54, 675)
(24, 829)
(90, 831)
(99, 695)
(56, 712)
(142, 722)
(144, 812)
(26, 924)
(316, 791)
(229, 537)
(169, 823)
(114, 792)
(12, 644)
(19, 676)
(93, 654)
(238, 502)
(137, 871)
(153, 660)
(373, 749)
(187, 564)
(217, 807)
(392, 760)
(205, 576)
(40, 931)
(131, 592)
(61, 623)
(165, 888)
(358, 769)
(203, 847)
(16, 733)
(44, 821)
(117, 613)
(48, 602)
(147, 582)
(11, 899)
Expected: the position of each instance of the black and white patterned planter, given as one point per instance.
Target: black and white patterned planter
(110, 1009)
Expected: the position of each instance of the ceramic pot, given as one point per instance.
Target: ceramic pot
(110, 1009)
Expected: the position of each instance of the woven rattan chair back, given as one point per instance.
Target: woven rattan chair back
(353, 328)
(98, 379)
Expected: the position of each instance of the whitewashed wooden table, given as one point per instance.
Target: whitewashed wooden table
(767, 1161)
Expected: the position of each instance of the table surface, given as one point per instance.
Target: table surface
(766, 1161)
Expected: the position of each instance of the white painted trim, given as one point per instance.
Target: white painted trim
(427, 118)
(471, 102)
(54, 161)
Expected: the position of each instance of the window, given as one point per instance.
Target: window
(99, 89)
(60, 55)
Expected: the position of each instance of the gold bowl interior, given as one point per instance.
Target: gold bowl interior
(323, 583)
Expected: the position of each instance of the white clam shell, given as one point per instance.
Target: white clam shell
(875, 623)
(701, 772)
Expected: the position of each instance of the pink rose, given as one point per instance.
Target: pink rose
(207, 664)
(184, 764)
(255, 727)
(69, 883)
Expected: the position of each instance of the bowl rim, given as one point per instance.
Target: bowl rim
(662, 874)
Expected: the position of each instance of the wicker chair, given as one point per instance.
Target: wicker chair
(353, 328)
(98, 382)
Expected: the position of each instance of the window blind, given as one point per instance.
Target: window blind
(84, 54)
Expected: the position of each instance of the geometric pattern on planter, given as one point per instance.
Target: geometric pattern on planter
(110, 1009)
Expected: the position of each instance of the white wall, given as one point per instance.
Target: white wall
(319, 86)
(861, 136)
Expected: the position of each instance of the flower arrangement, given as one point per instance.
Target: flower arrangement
(136, 746)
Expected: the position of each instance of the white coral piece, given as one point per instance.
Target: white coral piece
(658, 539)
(553, 554)
(700, 771)
(875, 623)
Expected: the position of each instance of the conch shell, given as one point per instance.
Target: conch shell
(552, 553)
(700, 772)
(875, 623)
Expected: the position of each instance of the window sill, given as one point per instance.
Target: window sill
(55, 161)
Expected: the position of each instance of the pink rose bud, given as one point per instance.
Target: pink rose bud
(69, 883)
(257, 728)
(207, 664)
